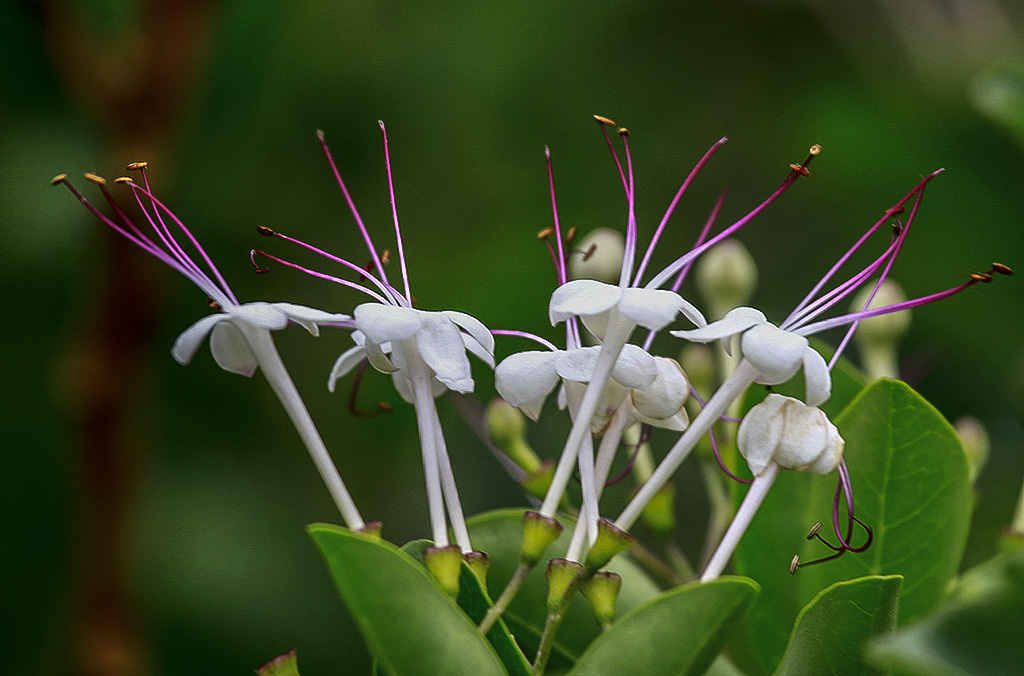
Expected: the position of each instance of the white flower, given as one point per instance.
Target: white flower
(791, 434)
(777, 354)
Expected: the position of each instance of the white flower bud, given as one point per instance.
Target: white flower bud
(726, 276)
(599, 256)
(661, 404)
(791, 434)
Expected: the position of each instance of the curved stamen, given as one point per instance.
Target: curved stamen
(382, 406)
(320, 275)
(645, 434)
(670, 270)
(394, 214)
(524, 334)
(672, 207)
(629, 256)
(561, 266)
(604, 123)
(352, 207)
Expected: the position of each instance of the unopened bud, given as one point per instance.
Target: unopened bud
(506, 426)
(598, 256)
(445, 564)
(610, 541)
(283, 665)
(539, 532)
(726, 276)
(562, 575)
(371, 531)
(537, 483)
(791, 434)
(602, 590)
(698, 362)
(661, 404)
(878, 337)
(974, 438)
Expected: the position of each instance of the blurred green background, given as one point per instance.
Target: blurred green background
(154, 514)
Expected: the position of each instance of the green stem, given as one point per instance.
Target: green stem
(551, 625)
(509, 593)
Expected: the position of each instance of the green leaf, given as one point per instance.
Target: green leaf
(500, 533)
(679, 633)
(831, 631)
(475, 602)
(410, 626)
(910, 481)
(976, 632)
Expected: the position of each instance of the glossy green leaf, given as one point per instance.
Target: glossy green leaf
(679, 633)
(500, 533)
(474, 601)
(976, 632)
(831, 631)
(410, 626)
(910, 480)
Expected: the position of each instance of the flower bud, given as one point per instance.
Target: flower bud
(599, 256)
(507, 429)
(283, 665)
(878, 337)
(661, 404)
(726, 276)
(698, 362)
(659, 513)
(791, 434)
(975, 441)
(479, 563)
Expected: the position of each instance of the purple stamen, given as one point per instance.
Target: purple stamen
(314, 273)
(631, 236)
(672, 207)
(645, 434)
(382, 406)
(561, 266)
(352, 207)
(604, 122)
(394, 213)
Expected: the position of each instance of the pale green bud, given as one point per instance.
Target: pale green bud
(445, 564)
(598, 256)
(974, 437)
(878, 337)
(506, 426)
(611, 540)
(726, 276)
(562, 575)
(698, 362)
(539, 532)
(602, 590)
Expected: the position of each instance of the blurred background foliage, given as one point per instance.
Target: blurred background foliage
(154, 514)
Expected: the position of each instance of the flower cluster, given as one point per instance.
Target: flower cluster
(613, 386)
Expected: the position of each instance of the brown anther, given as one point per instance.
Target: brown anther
(545, 233)
(571, 235)
(897, 210)
(815, 149)
(135, 166)
(1001, 269)
(604, 120)
(385, 256)
(384, 406)
(123, 179)
(622, 131)
(265, 231)
(814, 531)
(214, 305)
(59, 178)
(95, 178)
(794, 564)
(896, 229)
(589, 252)
(800, 169)
(979, 277)
(260, 270)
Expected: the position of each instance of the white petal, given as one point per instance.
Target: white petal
(188, 342)
(475, 328)
(666, 395)
(382, 323)
(440, 344)
(677, 423)
(833, 454)
(345, 363)
(735, 321)
(596, 324)
(804, 435)
(635, 367)
(563, 398)
(378, 359)
(525, 379)
(481, 353)
(402, 386)
(262, 315)
(652, 309)
(816, 378)
(576, 365)
(775, 353)
(231, 351)
(582, 297)
(309, 318)
(760, 432)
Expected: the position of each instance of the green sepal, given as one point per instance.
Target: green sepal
(611, 540)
